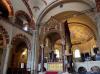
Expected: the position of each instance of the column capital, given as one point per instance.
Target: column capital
(12, 18)
(63, 42)
(42, 45)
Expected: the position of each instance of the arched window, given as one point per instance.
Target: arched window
(57, 53)
(77, 53)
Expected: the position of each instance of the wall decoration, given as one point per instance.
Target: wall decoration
(45, 2)
(22, 37)
(5, 34)
(28, 7)
(36, 8)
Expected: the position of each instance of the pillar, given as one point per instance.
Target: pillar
(33, 54)
(63, 55)
(98, 28)
(6, 53)
(97, 18)
(42, 58)
(29, 60)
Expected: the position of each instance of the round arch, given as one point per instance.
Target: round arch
(26, 17)
(22, 37)
(58, 3)
(53, 31)
(20, 48)
(8, 6)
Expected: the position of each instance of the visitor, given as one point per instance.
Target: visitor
(55, 57)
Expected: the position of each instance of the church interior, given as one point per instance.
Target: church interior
(50, 37)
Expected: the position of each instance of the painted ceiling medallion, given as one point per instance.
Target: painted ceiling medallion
(28, 6)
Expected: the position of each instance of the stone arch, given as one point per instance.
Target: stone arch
(50, 32)
(26, 17)
(51, 26)
(22, 37)
(5, 35)
(8, 6)
(20, 47)
(55, 4)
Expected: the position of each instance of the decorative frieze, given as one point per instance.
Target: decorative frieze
(5, 34)
(22, 37)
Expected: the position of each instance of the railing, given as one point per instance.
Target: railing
(57, 60)
(52, 65)
(17, 71)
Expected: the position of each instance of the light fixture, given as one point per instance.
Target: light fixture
(25, 27)
(57, 53)
(24, 52)
(77, 53)
(25, 24)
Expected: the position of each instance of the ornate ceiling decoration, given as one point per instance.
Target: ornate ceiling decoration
(80, 33)
(4, 34)
(28, 7)
(45, 2)
(22, 18)
(19, 38)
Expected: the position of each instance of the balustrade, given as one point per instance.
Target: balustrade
(18, 71)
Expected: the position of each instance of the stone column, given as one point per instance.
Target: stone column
(42, 57)
(33, 53)
(6, 53)
(63, 55)
(97, 17)
(29, 60)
